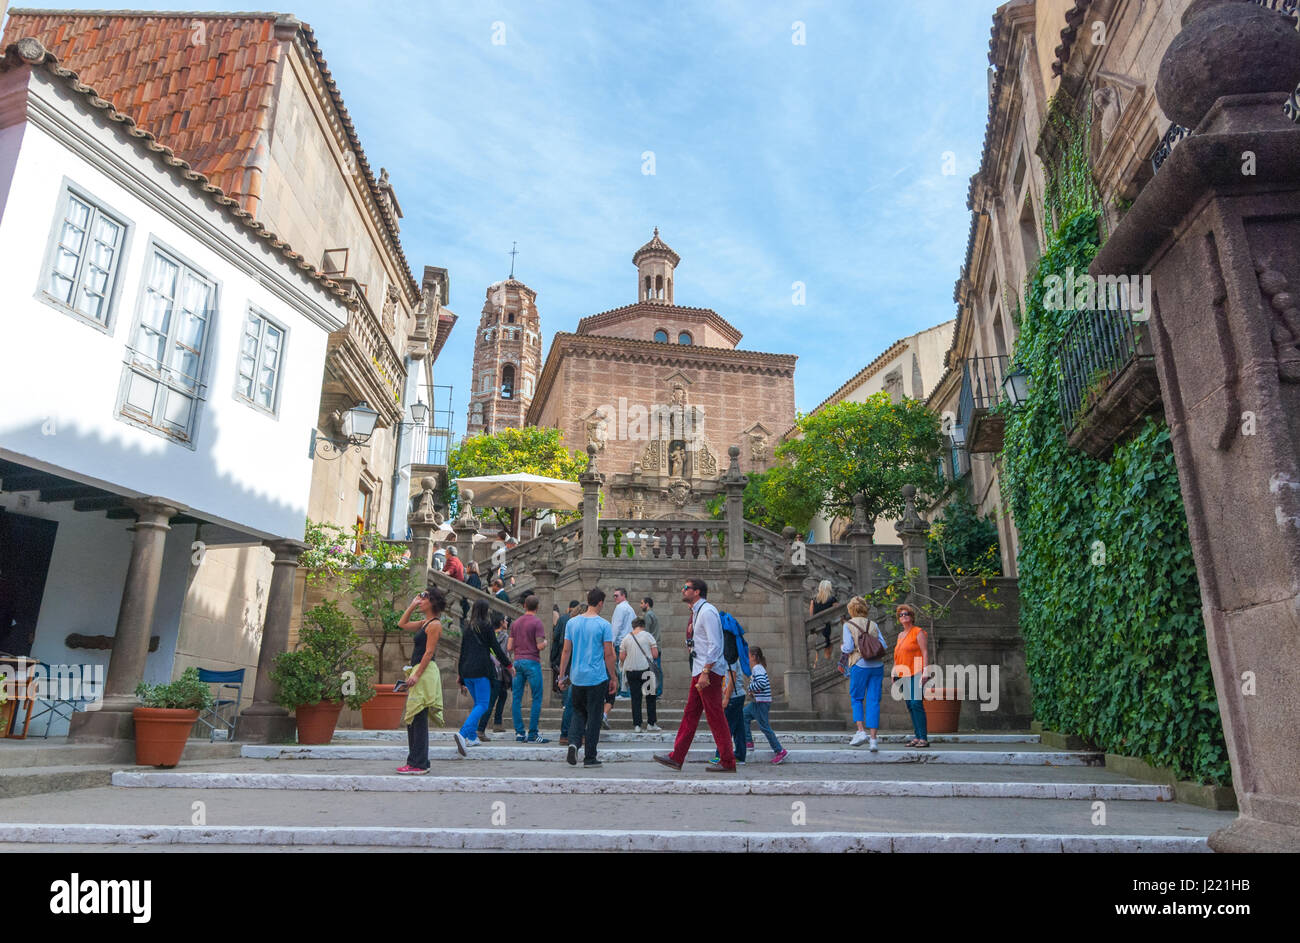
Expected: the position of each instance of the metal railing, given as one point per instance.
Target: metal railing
(1097, 345)
(981, 386)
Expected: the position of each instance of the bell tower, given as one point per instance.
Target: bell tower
(507, 358)
(655, 263)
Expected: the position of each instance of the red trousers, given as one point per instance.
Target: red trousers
(710, 703)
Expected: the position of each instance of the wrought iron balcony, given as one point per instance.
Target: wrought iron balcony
(981, 388)
(1108, 379)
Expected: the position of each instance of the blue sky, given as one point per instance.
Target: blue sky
(774, 162)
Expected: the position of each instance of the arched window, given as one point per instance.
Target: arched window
(659, 286)
(511, 317)
(528, 386)
(684, 338)
(661, 336)
(508, 381)
(647, 287)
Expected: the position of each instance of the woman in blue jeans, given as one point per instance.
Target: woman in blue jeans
(866, 678)
(477, 646)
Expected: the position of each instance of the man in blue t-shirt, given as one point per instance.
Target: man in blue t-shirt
(588, 664)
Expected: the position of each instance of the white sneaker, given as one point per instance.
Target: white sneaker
(655, 728)
(871, 745)
(859, 738)
(462, 745)
(636, 729)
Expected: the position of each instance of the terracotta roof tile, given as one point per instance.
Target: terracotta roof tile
(128, 53)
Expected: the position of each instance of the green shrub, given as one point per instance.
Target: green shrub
(327, 664)
(185, 693)
(961, 538)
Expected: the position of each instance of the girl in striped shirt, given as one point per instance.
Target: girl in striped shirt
(761, 688)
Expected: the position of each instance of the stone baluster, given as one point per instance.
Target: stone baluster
(465, 527)
(424, 521)
(861, 536)
(734, 483)
(1218, 242)
(591, 480)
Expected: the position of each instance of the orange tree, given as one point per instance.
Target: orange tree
(532, 450)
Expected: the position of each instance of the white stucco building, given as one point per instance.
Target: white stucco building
(160, 373)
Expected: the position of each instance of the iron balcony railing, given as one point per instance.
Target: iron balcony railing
(981, 387)
(1096, 347)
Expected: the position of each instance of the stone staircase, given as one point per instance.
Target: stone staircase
(968, 792)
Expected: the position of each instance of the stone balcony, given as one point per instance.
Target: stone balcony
(981, 388)
(362, 363)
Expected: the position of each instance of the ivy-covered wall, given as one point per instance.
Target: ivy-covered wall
(1110, 604)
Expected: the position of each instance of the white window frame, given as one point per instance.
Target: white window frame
(136, 363)
(67, 191)
(254, 311)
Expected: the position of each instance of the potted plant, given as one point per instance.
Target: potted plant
(165, 717)
(326, 670)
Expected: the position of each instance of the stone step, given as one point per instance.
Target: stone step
(385, 838)
(571, 785)
(554, 753)
(36, 780)
(667, 736)
(57, 751)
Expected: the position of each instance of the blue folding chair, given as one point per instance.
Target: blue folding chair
(60, 696)
(223, 715)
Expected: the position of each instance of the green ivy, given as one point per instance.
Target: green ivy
(1069, 189)
(1115, 645)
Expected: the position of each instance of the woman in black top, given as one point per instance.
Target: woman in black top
(475, 668)
(426, 608)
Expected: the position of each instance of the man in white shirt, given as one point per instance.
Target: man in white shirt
(621, 620)
(704, 633)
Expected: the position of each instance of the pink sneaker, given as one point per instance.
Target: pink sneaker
(749, 745)
(780, 756)
(411, 771)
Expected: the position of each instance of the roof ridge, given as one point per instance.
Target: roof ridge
(29, 51)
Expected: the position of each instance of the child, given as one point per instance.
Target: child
(761, 688)
(733, 694)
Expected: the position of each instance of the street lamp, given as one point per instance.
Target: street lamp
(356, 426)
(1016, 386)
(419, 413)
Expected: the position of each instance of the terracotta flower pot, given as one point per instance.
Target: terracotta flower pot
(316, 722)
(942, 710)
(160, 734)
(385, 710)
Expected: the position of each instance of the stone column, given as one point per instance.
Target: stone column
(734, 483)
(424, 521)
(591, 480)
(465, 527)
(1216, 230)
(112, 720)
(798, 683)
(914, 532)
(544, 575)
(265, 721)
(861, 536)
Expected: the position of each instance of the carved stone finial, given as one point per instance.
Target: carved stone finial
(548, 529)
(1226, 47)
(428, 483)
(788, 532)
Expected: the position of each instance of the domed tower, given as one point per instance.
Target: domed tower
(655, 263)
(507, 358)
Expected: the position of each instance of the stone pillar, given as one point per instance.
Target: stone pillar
(1216, 230)
(424, 521)
(544, 575)
(914, 532)
(861, 536)
(798, 683)
(112, 721)
(465, 527)
(591, 480)
(265, 721)
(734, 483)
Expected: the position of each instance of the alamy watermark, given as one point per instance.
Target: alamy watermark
(970, 682)
(83, 683)
(1084, 292)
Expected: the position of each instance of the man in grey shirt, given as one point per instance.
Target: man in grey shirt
(652, 626)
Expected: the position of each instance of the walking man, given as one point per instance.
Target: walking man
(527, 639)
(652, 626)
(588, 664)
(622, 621)
(557, 649)
(704, 637)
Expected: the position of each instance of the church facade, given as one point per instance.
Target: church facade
(662, 390)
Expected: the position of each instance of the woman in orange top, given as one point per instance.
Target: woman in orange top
(909, 667)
